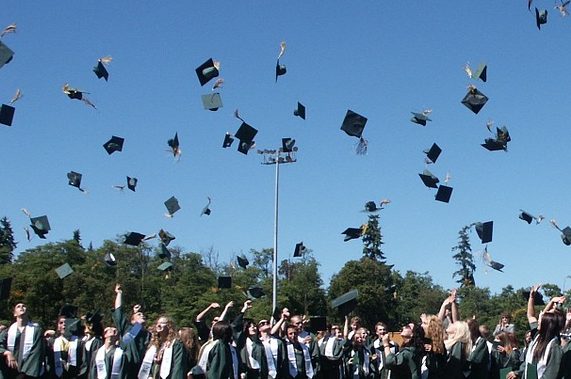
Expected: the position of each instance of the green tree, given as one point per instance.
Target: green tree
(77, 236)
(464, 259)
(373, 239)
(7, 242)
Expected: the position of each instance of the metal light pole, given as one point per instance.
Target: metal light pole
(283, 155)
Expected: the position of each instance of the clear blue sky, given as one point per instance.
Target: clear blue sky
(382, 59)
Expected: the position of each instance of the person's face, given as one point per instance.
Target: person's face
(20, 309)
(359, 338)
(110, 333)
(450, 330)
(252, 330)
(381, 330)
(406, 333)
(296, 321)
(335, 331)
(528, 337)
(264, 326)
(139, 317)
(162, 326)
(505, 320)
(61, 325)
(292, 335)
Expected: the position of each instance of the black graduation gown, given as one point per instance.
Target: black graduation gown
(134, 349)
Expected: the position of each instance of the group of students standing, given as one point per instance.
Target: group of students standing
(439, 347)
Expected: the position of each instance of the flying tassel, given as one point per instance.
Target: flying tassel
(26, 212)
(28, 234)
(17, 96)
(237, 115)
(468, 70)
(105, 60)
(554, 223)
(218, 83)
(282, 49)
(362, 146)
(9, 29)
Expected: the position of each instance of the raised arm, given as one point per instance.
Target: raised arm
(346, 328)
(118, 296)
(225, 311)
(280, 322)
(531, 318)
(204, 312)
(453, 306)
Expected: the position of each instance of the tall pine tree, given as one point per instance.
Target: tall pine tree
(7, 242)
(464, 259)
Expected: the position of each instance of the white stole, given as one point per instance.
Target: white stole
(254, 364)
(364, 364)
(28, 338)
(145, 369)
(166, 362)
(293, 362)
(204, 352)
(329, 347)
(102, 368)
(542, 364)
(72, 352)
(270, 356)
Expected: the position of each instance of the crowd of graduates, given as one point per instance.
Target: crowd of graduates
(284, 346)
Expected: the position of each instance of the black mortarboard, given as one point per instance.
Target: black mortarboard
(246, 133)
(566, 235)
(114, 144)
(420, 118)
(429, 179)
(346, 302)
(493, 144)
(526, 217)
(537, 297)
(224, 282)
(101, 71)
(64, 271)
(496, 266)
(132, 183)
(166, 237)
(207, 71)
(5, 286)
(212, 101)
(68, 310)
(287, 145)
(133, 239)
(317, 323)
(206, 210)
(255, 292)
(299, 250)
(481, 73)
(165, 252)
(228, 140)
(110, 259)
(353, 124)
(280, 69)
(245, 146)
(300, 111)
(174, 144)
(474, 99)
(7, 114)
(443, 194)
(371, 206)
(433, 153)
(277, 313)
(242, 261)
(40, 225)
(165, 266)
(172, 205)
(197, 372)
(485, 230)
(6, 54)
(540, 17)
(352, 233)
(93, 317)
(74, 179)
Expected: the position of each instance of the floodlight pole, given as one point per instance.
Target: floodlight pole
(276, 157)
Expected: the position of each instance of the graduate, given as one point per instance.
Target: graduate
(405, 363)
(275, 351)
(91, 342)
(381, 371)
(253, 353)
(359, 360)
(109, 362)
(298, 355)
(331, 353)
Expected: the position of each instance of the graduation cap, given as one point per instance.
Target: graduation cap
(40, 225)
(421, 118)
(485, 230)
(212, 101)
(540, 17)
(64, 271)
(172, 206)
(280, 69)
(114, 144)
(537, 297)
(165, 237)
(74, 180)
(206, 210)
(7, 114)
(255, 293)
(474, 99)
(165, 266)
(109, 259)
(228, 140)
(68, 311)
(243, 261)
(317, 323)
(299, 249)
(165, 252)
(288, 145)
(346, 303)
(207, 71)
(493, 144)
(132, 183)
(429, 179)
(6, 54)
(352, 233)
(174, 145)
(245, 134)
(528, 217)
(371, 206)
(433, 153)
(5, 286)
(76, 94)
(565, 232)
(101, 71)
(481, 73)
(444, 193)
(300, 111)
(490, 262)
(133, 239)
(224, 282)
(354, 125)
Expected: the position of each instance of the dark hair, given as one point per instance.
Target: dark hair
(548, 329)
(222, 330)
(474, 328)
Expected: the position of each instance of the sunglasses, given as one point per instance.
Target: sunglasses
(263, 323)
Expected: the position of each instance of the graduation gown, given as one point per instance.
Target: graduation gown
(34, 364)
(359, 363)
(404, 364)
(135, 348)
(302, 372)
(88, 350)
(219, 364)
(457, 366)
(479, 360)
(381, 370)
(259, 354)
(109, 361)
(331, 362)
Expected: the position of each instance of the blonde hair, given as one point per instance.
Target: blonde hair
(462, 335)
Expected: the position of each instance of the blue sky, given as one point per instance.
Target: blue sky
(381, 59)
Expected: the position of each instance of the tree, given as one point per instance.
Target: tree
(464, 259)
(7, 242)
(77, 236)
(373, 239)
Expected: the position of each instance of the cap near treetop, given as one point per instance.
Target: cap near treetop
(346, 303)
(242, 261)
(485, 231)
(134, 239)
(64, 271)
(299, 250)
(224, 282)
(40, 225)
(352, 233)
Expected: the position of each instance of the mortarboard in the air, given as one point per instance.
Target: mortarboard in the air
(299, 249)
(429, 179)
(433, 153)
(174, 144)
(420, 118)
(287, 145)
(444, 193)
(485, 230)
(74, 179)
(540, 17)
(101, 71)
(245, 133)
(255, 293)
(6, 54)
(212, 101)
(114, 144)
(132, 183)
(228, 140)
(371, 206)
(280, 69)
(481, 73)
(206, 71)
(172, 205)
(493, 144)
(40, 225)
(224, 282)
(276, 313)
(93, 317)
(353, 124)
(165, 266)
(242, 261)
(165, 252)
(474, 99)
(346, 302)
(68, 310)
(537, 297)
(317, 323)
(526, 217)
(109, 259)
(166, 237)
(245, 146)
(352, 233)
(300, 111)
(64, 271)
(206, 210)
(133, 239)
(7, 114)
(566, 235)
(496, 266)
(5, 287)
